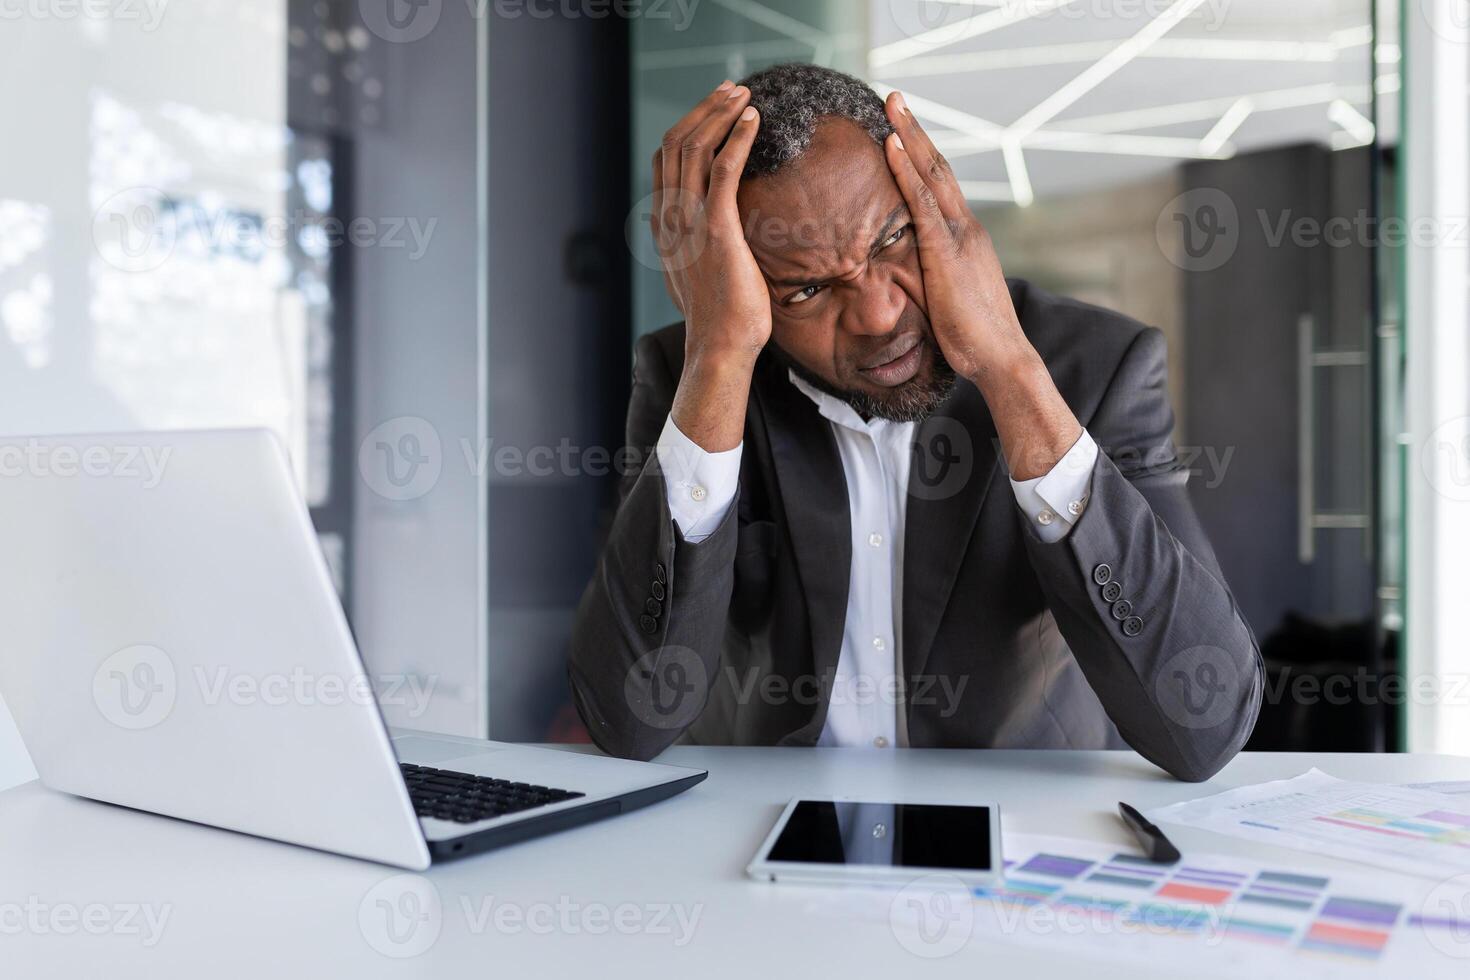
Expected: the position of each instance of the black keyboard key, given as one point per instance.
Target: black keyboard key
(467, 798)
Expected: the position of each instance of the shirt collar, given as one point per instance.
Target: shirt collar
(834, 409)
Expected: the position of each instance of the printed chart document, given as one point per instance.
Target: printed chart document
(1453, 788)
(1207, 916)
(1402, 828)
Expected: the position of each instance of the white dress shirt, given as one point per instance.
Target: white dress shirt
(867, 692)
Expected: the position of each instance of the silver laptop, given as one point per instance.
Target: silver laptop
(173, 643)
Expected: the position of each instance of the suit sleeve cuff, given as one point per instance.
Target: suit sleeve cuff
(1054, 502)
(701, 485)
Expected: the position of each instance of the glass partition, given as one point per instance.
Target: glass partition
(268, 213)
(1207, 168)
(677, 61)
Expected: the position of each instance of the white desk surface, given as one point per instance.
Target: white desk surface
(240, 906)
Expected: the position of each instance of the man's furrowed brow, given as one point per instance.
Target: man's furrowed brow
(802, 278)
(797, 281)
(887, 229)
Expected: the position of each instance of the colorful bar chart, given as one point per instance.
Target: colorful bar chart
(1404, 829)
(1227, 909)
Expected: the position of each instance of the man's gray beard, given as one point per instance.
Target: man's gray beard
(912, 401)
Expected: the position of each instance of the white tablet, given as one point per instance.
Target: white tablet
(835, 841)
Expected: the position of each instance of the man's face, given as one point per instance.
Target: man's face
(834, 240)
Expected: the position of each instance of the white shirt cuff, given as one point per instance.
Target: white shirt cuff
(1056, 501)
(701, 486)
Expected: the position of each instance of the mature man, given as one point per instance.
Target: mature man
(891, 498)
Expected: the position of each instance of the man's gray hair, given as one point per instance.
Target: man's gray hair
(793, 99)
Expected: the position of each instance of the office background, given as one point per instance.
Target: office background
(411, 240)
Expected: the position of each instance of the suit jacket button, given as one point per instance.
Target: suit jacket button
(648, 624)
(1112, 592)
(1132, 626)
(1122, 609)
(658, 591)
(654, 607)
(660, 573)
(1102, 574)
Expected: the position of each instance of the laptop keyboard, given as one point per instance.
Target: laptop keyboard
(463, 798)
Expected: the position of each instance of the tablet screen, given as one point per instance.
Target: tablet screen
(897, 835)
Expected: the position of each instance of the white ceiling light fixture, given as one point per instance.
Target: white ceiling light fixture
(1357, 126)
(958, 145)
(823, 47)
(1181, 49)
(1205, 127)
(1351, 37)
(1219, 135)
(985, 190)
(1020, 178)
(1004, 15)
(948, 117)
(776, 49)
(773, 20)
(1388, 54)
(1200, 110)
(1104, 68)
(1127, 144)
(967, 135)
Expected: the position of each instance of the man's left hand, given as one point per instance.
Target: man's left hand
(969, 304)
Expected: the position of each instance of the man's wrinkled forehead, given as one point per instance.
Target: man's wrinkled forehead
(823, 212)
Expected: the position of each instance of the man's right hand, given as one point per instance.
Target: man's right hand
(708, 267)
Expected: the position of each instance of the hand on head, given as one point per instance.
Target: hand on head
(708, 267)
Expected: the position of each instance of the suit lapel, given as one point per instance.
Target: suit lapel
(955, 457)
(954, 462)
(956, 454)
(813, 492)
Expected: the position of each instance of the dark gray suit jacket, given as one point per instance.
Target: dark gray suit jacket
(1123, 632)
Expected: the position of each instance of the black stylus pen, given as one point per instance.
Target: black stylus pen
(1154, 843)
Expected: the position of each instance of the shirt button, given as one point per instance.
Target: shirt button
(1045, 518)
(878, 643)
(875, 540)
(698, 492)
(1074, 508)
(880, 742)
